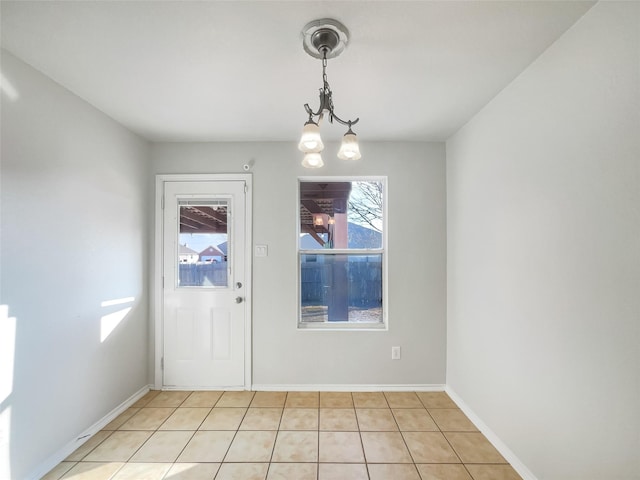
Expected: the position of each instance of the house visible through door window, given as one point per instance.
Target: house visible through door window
(341, 253)
(203, 243)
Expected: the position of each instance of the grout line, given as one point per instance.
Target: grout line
(433, 420)
(182, 450)
(318, 437)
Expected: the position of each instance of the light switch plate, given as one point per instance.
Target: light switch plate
(262, 251)
(395, 353)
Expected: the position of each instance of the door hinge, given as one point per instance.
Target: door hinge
(162, 363)
(246, 188)
(162, 203)
(162, 282)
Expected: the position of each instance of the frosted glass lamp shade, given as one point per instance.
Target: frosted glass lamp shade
(310, 142)
(312, 160)
(349, 149)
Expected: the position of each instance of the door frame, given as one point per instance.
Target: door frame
(156, 304)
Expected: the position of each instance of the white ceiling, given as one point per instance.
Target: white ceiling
(236, 70)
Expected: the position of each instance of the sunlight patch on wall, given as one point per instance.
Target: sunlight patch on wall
(7, 360)
(7, 351)
(8, 89)
(109, 322)
(5, 433)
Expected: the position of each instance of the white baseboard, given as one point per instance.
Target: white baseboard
(347, 388)
(178, 388)
(505, 451)
(74, 444)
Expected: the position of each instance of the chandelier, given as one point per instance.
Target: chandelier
(325, 39)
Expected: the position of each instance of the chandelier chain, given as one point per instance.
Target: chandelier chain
(324, 69)
(328, 95)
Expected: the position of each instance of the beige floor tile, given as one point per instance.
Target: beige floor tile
(251, 447)
(452, 420)
(202, 399)
(147, 419)
(235, 399)
(299, 419)
(162, 447)
(395, 471)
(121, 419)
(342, 471)
(58, 471)
(429, 447)
(93, 471)
(414, 420)
(296, 447)
(293, 471)
(474, 448)
(89, 445)
(269, 399)
(192, 471)
(493, 472)
(443, 472)
(262, 419)
(340, 447)
(206, 447)
(369, 400)
(223, 419)
(336, 400)
(376, 420)
(119, 447)
(338, 420)
(185, 418)
(145, 399)
(303, 400)
(436, 400)
(385, 447)
(403, 400)
(142, 471)
(168, 399)
(242, 471)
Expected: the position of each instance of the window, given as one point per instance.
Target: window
(341, 253)
(202, 243)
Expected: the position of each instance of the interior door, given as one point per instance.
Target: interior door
(203, 293)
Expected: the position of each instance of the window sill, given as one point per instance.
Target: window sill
(343, 326)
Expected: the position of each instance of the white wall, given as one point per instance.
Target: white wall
(543, 212)
(417, 269)
(74, 235)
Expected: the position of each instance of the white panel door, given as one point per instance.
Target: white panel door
(203, 294)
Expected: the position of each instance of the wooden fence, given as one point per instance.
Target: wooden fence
(364, 283)
(364, 280)
(203, 274)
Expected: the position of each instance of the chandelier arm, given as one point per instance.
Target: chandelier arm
(310, 112)
(348, 123)
(325, 104)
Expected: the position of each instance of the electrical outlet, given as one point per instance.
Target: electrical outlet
(395, 353)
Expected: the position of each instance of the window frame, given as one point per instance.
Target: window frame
(383, 251)
(199, 200)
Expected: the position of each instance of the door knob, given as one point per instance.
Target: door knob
(239, 299)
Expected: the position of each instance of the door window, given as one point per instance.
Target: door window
(203, 243)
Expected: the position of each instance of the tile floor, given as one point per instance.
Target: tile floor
(288, 435)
